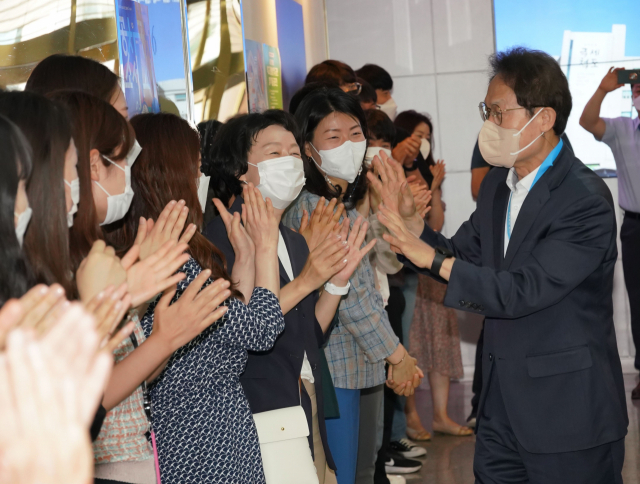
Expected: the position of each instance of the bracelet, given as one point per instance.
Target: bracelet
(396, 364)
(335, 290)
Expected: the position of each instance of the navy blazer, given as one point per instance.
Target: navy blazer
(548, 305)
(271, 378)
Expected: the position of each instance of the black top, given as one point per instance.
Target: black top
(549, 329)
(271, 378)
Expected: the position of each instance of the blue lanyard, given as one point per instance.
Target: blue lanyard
(546, 164)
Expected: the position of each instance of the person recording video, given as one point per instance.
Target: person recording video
(622, 135)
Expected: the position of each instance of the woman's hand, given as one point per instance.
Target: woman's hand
(438, 172)
(355, 239)
(50, 391)
(324, 220)
(178, 323)
(109, 308)
(421, 195)
(259, 219)
(169, 226)
(324, 261)
(403, 241)
(407, 150)
(156, 273)
(98, 270)
(403, 376)
(242, 245)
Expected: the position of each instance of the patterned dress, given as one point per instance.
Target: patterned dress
(435, 339)
(204, 429)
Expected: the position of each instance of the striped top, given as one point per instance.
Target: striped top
(122, 437)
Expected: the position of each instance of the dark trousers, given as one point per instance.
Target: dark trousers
(476, 386)
(500, 459)
(395, 308)
(630, 241)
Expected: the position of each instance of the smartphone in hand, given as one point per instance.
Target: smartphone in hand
(631, 76)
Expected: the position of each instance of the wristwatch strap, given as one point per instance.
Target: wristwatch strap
(437, 263)
(335, 290)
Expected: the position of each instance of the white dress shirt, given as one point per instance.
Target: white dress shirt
(519, 191)
(283, 254)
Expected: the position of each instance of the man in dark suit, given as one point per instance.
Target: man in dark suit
(536, 259)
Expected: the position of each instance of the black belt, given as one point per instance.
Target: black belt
(633, 215)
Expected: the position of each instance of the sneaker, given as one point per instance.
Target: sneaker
(407, 449)
(396, 479)
(401, 466)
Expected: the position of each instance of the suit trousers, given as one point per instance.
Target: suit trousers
(630, 244)
(501, 459)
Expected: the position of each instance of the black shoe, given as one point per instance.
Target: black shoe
(406, 449)
(397, 465)
(635, 393)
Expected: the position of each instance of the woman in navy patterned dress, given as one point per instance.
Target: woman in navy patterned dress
(201, 418)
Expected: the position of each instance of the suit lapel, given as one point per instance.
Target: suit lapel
(283, 273)
(532, 205)
(500, 203)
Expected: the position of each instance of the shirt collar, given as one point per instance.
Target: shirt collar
(528, 181)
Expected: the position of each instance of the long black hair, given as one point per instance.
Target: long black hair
(46, 126)
(231, 147)
(316, 106)
(15, 165)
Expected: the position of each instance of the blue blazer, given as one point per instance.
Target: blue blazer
(548, 305)
(271, 378)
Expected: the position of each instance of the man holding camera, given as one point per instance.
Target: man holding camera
(622, 135)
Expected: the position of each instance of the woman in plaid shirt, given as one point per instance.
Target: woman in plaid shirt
(334, 145)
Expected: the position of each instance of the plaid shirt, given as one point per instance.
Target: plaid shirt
(363, 337)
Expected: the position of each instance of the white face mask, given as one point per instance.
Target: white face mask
(345, 161)
(636, 103)
(500, 146)
(118, 205)
(425, 148)
(281, 179)
(203, 188)
(75, 197)
(133, 154)
(23, 222)
(390, 108)
(375, 151)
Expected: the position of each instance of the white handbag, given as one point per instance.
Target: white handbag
(286, 457)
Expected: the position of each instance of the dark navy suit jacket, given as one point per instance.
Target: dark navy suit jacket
(270, 380)
(548, 305)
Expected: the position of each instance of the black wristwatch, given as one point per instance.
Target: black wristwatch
(442, 253)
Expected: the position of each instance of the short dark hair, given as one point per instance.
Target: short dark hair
(367, 93)
(316, 106)
(407, 121)
(232, 145)
(380, 126)
(331, 71)
(73, 72)
(376, 76)
(537, 80)
(306, 89)
(207, 131)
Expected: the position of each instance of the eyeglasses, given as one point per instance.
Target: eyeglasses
(353, 87)
(494, 111)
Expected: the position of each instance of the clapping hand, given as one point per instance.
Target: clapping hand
(259, 219)
(109, 308)
(324, 220)
(355, 239)
(421, 195)
(438, 172)
(407, 150)
(169, 226)
(101, 268)
(243, 247)
(49, 392)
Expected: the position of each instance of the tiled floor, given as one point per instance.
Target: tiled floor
(450, 459)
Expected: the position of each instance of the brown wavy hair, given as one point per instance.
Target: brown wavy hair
(95, 125)
(166, 170)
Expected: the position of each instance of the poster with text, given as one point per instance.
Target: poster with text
(273, 76)
(136, 59)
